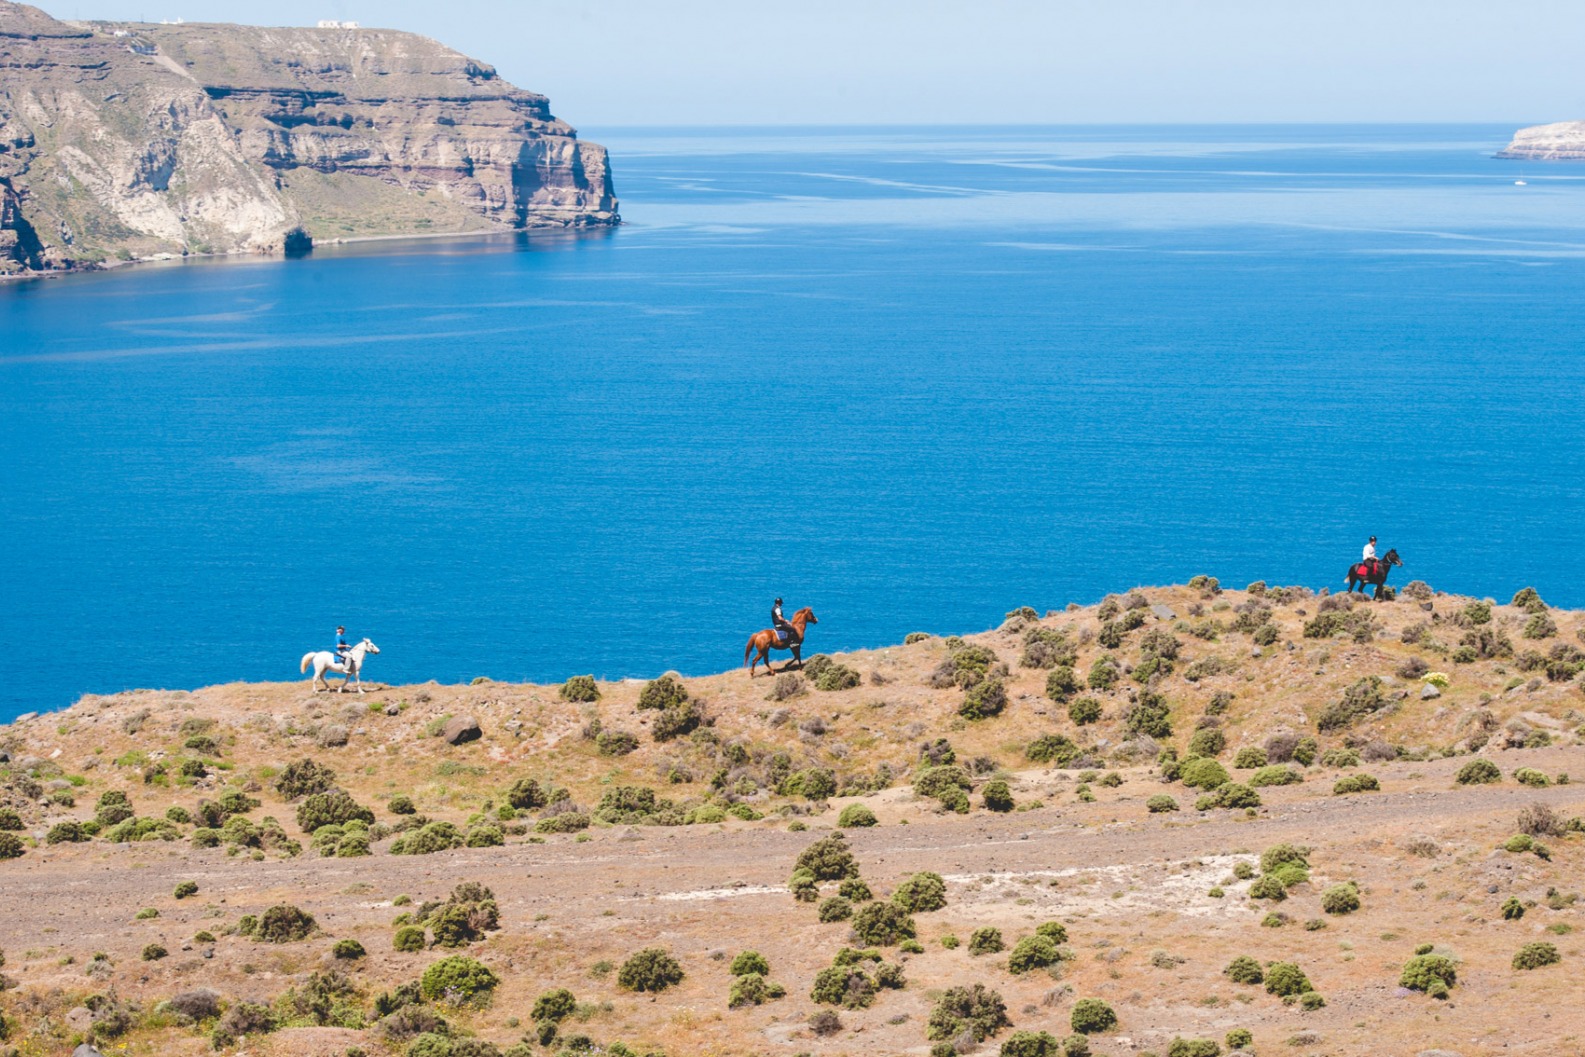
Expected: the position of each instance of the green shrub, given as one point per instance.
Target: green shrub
(1150, 716)
(1531, 777)
(1032, 952)
(1535, 955)
(1340, 899)
(921, 893)
(837, 677)
(409, 938)
(1340, 758)
(882, 925)
(1268, 887)
(304, 778)
(1092, 1015)
(1431, 973)
(651, 969)
(1207, 741)
(527, 795)
(1286, 978)
(803, 886)
(458, 981)
(1203, 773)
(1356, 783)
(664, 693)
(1363, 697)
(113, 807)
(1031, 1044)
(1277, 774)
(986, 941)
(1478, 771)
(752, 989)
(10, 821)
(436, 836)
(283, 923)
(828, 859)
(1279, 855)
(1061, 684)
(916, 636)
(1181, 1047)
(1104, 673)
(856, 815)
(1244, 970)
(1249, 757)
(401, 805)
(854, 890)
(66, 833)
(940, 781)
(333, 807)
(1239, 1039)
(676, 722)
(812, 783)
(348, 949)
(976, 1011)
(750, 962)
(998, 797)
(185, 889)
(835, 909)
(580, 688)
(1512, 909)
(1161, 803)
(984, 699)
(615, 742)
(1052, 748)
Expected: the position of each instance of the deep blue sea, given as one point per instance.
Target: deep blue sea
(913, 378)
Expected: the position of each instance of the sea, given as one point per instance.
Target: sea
(912, 378)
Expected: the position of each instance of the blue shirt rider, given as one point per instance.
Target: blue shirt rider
(342, 646)
(784, 630)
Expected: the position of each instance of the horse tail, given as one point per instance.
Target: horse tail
(748, 649)
(308, 659)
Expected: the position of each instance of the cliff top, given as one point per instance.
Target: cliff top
(1396, 747)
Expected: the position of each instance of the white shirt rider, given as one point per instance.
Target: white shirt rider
(1370, 550)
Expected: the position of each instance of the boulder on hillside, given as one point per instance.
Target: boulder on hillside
(460, 729)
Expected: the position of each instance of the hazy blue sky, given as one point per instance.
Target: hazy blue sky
(619, 62)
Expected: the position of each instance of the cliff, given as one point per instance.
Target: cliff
(125, 141)
(1559, 141)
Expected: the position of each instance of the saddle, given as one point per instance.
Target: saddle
(780, 634)
(1367, 570)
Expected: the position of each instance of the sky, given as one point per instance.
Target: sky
(820, 62)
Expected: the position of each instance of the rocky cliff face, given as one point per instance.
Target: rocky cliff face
(121, 141)
(1560, 141)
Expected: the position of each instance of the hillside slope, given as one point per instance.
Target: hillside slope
(1021, 765)
(122, 141)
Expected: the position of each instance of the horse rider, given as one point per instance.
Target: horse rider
(784, 630)
(342, 646)
(1369, 556)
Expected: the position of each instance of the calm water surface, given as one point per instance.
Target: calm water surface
(912, 378)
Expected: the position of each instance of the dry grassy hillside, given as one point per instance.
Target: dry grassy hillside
(1090, 831)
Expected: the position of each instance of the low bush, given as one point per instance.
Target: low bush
(580, 688)
(998, 797)
(855, 890)
(882, 925)
(984, 699)
(409, 938)
(1084, 710)
(1244, 970)
(752, 989)
(1149, 715)
(1092, 1015)
(837, 677)
(1285, 978)
(986, 941)
(1052, 748)
(458, 981)
(113, 807)
(1203, 773)
(976, 1012)
(921, 893)
(1032, 952)
(348, 950)
(1340, 899)
(1270, 887)
(1104, 673)
(1207, 742)
(1231, 795)
(663, 693)
(1431, 973)
(828, 859)
(1032, 1044)
(856, 815)
(1531, 777)
(835, 909)
(304, 777)
(1181, 1047)
(1535, 955)
(1478, 771)
(750, 962)
(401, 805)
(333, 807)
(1364, 697)
(1279, 774)
(1161, 803)
(66, 833)
(434, 837)
(615, 742)
(184, 889)
(283, 923)
(1061, 684)
(675, 722)
(1356, 783)
(1512, 909)
(1249, 757)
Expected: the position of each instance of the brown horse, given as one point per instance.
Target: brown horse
(765, 641)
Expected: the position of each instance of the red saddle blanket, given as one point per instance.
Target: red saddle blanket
(1364, 571)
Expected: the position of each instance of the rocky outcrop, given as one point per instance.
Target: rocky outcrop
(1559, 141)
(122, 141)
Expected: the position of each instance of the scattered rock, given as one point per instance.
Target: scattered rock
(392, 709)
(1163, 612)
(24, 717)
(1429, 691)
(86, 1050)
(79, 1019)
(461, 729)
(333, 735)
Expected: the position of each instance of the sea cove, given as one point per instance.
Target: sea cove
(912, 378)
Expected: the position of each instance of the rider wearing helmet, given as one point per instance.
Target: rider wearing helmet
(342, 647)
(1369, 557)
(783, 629)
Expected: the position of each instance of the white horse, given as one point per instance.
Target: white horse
(325, 661)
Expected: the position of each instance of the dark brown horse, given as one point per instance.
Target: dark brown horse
(765, 641)
(1359, 573)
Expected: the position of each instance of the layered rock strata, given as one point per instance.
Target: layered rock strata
(1559, 141)
(123, 141)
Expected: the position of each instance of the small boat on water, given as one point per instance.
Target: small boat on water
(1521, 183)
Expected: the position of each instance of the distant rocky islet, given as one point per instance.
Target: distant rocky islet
(124, 141)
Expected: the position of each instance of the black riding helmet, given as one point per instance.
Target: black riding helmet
(778, 601)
